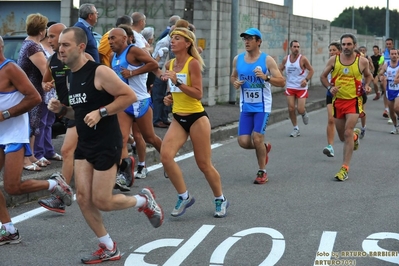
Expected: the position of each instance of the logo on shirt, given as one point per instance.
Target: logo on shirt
(77, 98)
(346, 70)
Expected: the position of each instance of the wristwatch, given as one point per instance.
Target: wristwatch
(329, 88)
(178, 83)
(6, 114)
(103, 112)
(267, 78)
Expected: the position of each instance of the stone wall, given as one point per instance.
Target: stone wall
(212, 19)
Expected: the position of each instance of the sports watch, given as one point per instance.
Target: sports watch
(6, 114)
(103, 112)
(267, 78)
(178, 83)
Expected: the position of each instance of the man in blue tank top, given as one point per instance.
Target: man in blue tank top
(17, 97)
(253, 74)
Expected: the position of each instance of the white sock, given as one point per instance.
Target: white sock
(141, 163)
(296, 127)
(387, 109)
(51, 184)
(10, 227)
(107, 241)
(184, 195)
(220, 197)
(140, 201)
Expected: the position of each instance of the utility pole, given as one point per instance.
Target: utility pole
(233, 47)
(387, 21)
(290, 5)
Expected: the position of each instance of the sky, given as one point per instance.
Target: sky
(322, 10)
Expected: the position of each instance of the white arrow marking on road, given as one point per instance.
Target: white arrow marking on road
(178, 257)
(277, 251)
(370, 244)
(326, 245)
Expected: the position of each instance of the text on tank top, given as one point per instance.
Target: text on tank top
(295, 74)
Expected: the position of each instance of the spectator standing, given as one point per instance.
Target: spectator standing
(88, 16)
(160, 86)
(172, 21)
(32, 60)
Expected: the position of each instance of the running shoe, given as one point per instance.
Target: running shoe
(103, 254)
(53, 203)
(182, 205)
(62, 190)
(362, 133)
(8, 238)
(261, 178)
(120, 182)
(385, 114)
(395, 130)
(357, 132)
(221, 208)
(342, 175)
(141, 172)
(377, 96)
(128, 173)
(268, 149)
(295, 133)
(152, 209)
(305, 118)
(329, 151)
(389, 122)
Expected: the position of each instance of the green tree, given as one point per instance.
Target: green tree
(369, 21)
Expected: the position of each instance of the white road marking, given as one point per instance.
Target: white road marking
(30, 214)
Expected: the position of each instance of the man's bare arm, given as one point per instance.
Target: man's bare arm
(21, 82)
(276, 78)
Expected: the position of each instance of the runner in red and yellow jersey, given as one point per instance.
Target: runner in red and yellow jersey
(346, 87)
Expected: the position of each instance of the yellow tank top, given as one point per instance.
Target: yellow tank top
(182, 103)
(348, 78)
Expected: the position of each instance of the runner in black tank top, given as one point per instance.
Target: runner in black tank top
(96, 95)
(105, 138)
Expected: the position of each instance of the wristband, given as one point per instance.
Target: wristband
(63, 111)
(307, 80)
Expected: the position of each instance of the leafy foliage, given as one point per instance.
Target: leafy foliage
(369, 21)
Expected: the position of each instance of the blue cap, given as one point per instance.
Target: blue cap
(252, 32)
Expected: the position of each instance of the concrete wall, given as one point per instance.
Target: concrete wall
(212, 19)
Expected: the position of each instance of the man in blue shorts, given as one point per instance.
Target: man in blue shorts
(17, 97)
(253, 74)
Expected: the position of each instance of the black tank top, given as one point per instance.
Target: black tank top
(84, 98)
(59, 71)
(375, 59)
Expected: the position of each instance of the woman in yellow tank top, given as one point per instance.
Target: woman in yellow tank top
(184, 74)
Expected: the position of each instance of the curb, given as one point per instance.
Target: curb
(217, 134)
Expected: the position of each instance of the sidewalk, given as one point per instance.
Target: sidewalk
(224, 125)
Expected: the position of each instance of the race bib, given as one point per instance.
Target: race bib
(182, 77)
(252, 95)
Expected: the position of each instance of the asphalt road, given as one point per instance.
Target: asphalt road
(302, 216)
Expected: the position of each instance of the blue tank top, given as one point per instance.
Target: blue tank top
(119, 61)
(255, 93)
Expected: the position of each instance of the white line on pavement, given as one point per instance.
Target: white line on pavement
(27, 215)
